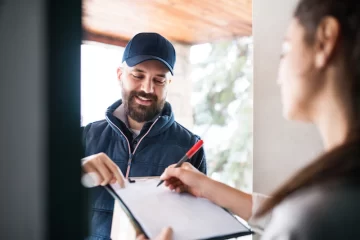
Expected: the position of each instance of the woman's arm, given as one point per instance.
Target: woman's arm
(236, 201)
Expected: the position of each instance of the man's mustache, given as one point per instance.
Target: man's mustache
(143, 94)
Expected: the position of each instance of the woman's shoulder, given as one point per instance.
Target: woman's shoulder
(326, 211)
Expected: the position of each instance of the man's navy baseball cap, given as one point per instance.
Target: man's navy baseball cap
(149, 46)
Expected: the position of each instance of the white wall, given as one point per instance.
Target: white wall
(280, 147)
(180, 89)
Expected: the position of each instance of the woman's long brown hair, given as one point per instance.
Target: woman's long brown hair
(342, 162)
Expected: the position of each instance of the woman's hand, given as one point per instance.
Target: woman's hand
(188, 179)
(185, 179)
(166, 234)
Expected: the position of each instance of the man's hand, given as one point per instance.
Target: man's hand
(105, 169)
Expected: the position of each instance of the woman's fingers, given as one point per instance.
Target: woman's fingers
(172, 173)
(141, 237)
(180, 189)
(176, 184)
(166, 234)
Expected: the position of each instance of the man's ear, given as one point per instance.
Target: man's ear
(169, 76)
(119, 72)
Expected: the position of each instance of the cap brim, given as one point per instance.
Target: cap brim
(142, 58)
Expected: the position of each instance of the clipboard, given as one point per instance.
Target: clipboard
(136, 227)
(138, 223)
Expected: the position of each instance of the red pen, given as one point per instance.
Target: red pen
(187, 156)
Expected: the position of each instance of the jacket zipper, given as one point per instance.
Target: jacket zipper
(131, 154)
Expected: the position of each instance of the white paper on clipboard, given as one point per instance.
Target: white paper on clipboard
(157, 207)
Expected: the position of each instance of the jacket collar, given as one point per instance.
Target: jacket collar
(164, 120)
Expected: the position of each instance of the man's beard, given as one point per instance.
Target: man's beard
(138, 112)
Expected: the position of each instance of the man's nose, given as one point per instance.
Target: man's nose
(147, 86)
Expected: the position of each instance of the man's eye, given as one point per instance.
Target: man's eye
(160, 82)
(137, 76)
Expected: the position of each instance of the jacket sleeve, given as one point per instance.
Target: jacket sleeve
(199, 159)
(259, 224)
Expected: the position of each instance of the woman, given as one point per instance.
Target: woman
(319, 76)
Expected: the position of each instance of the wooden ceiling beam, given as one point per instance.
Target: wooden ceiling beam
(100, 37)
(183, 21)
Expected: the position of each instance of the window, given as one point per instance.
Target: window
(99, 85)
(222, 107)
